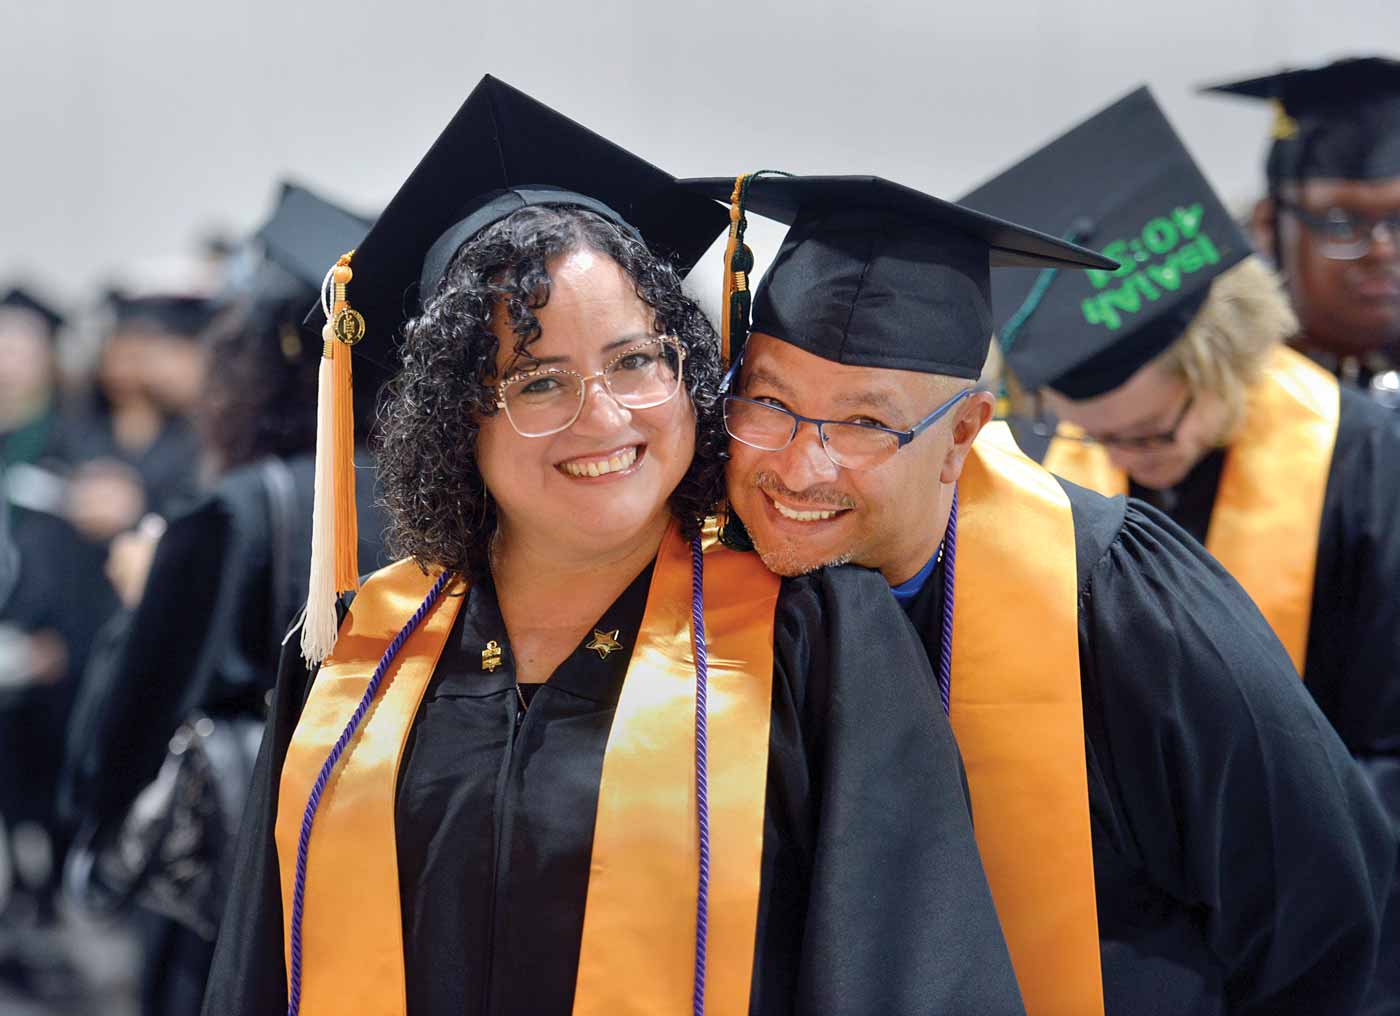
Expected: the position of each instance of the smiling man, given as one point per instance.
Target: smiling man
(1167, 822)
(1331, 220)
(1189, 399)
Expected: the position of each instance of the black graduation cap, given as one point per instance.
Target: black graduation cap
(1123, 182)
(876, 274)
(177, 315)
(501, 151)
(20, 298)
(1340, 121)
(289, 255)
(306, 233)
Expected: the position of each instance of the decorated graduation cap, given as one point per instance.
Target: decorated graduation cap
(21, 299)
(1340, 121)
(873, 273)
(1123, 182)
(501, 152)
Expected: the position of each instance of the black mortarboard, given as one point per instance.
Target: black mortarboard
(1340, 121)
(306, 233)
(501, 151)
(178, 315)
(290, 252)
(21, 299)
(1123, 182)
(876, 274)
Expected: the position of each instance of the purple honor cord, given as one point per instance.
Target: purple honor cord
(702, 778)
(945, 648)
(319, 787)
(702, 769)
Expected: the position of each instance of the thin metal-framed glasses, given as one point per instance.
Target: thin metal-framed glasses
(771, 428)
(1042, 427)
(1343, 235)
(542, 402)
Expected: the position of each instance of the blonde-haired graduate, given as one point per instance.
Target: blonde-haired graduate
(1170, 380)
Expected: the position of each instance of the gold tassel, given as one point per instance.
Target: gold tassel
(334, 526)
(736, 279)
(1284, 126)
(738, 260)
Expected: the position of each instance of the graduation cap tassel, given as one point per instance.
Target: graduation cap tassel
(334, 527)
(1284, 127)
(738, 262)
(734, 320)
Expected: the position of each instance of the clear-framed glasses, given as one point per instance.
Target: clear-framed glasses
(1344, 235)
(542, 402)
(1042, 426)
(771, 428)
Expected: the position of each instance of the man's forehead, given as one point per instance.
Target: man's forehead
(793, 370)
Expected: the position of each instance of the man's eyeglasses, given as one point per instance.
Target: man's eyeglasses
(1042, 427)
(1344, 235)
(539, 403)
(771, 428)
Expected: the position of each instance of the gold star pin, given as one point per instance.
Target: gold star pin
(490, 657)
(605, 642)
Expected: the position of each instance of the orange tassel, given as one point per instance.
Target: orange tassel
(334, 526)
(347, 566)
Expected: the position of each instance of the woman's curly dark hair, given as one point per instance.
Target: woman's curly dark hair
(438, 508)
(260, 393)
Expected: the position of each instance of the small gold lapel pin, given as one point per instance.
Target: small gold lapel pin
(490, 657)
(605, 642)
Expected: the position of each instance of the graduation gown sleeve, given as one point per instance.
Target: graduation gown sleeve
(248, 976)
(1353, 661)
(1226, 801)
(865, 778)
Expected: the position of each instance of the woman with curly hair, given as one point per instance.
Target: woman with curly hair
(569, 754)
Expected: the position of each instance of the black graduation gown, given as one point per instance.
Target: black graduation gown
(1352, 666)
(872, 896)
(52, 582)
(202, 637)
(1240, 858)
(168, 467)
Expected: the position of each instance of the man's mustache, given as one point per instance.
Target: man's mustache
(770, 484)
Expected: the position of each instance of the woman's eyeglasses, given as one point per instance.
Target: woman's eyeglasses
(1344, 235)
(539, 403)
(1047, 428)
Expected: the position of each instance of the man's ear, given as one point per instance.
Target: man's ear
(1262, 228)
(974, 414)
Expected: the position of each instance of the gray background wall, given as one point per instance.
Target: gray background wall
(128, 128)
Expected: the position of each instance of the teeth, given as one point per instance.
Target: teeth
(618, 462)
(807, 516)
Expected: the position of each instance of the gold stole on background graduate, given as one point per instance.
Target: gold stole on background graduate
(1267, 518)
(638, 946)
(1017, 711)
